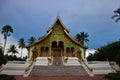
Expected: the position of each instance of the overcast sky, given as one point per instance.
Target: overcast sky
(33, 17)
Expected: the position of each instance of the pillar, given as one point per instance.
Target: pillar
(49, 51)
(28, 52)
(84, 50)
(75, 51)
(38, 51)
(65, 52)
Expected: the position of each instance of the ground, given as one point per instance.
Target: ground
(97, 77)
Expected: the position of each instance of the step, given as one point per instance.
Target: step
(58, 71)
(12, 72)
(102, 71)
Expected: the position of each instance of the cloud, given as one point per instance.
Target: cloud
(89, 51)
(12, 41)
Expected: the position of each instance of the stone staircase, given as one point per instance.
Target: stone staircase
(58, 71)
(12, 68)
(101, 67)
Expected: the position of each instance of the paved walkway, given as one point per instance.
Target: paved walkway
(98, 77)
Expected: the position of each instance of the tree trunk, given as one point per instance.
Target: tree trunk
(21, 52)
(4, 45)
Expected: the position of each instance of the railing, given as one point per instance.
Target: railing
(65, 59)
(87, 67)
(28, 69)
(49, 60)
(90, 69)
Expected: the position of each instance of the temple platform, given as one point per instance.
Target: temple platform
(71, 68)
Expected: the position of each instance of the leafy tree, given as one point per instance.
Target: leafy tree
(12, 49)
(3, 59)
(11, 58)
(31, 40)
(109, 52)
(113, 76)
(6, 30)
(117, 15)
(82, 37)
(90, 57)
(21, 45)
(117, 58)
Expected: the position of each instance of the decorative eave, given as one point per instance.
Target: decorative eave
(76, 42)
(40, 40)
(58, 19)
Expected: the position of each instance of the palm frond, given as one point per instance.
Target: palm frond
(117, 19)
(114, 16)
(12, 49)
(82, 37)
(32, 40)
(21, 43)
(117, 11)
(87, 40)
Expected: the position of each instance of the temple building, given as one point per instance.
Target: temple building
(57, 47)
(56, 39)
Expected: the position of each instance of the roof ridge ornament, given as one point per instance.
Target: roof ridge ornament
(58, 14)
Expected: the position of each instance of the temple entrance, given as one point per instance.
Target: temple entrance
(57, 52)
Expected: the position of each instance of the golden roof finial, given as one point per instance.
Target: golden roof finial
(58, 14)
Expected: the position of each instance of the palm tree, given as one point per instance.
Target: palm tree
(21, 45)
(82, 37)
(31, 40)
(12, 49)
(6, 30)
(117, 15)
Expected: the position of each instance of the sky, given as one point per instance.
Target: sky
(33, 17)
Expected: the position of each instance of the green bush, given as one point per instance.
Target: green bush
(15, 58)
(6, 77)
(3, 59)
(110, 52)
(113, 76)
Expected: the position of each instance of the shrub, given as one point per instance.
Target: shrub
(6, 77)
(113, 76)
(15, 58)
(3, 59)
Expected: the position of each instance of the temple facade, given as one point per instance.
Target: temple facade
(56, 42)
(57, 48)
